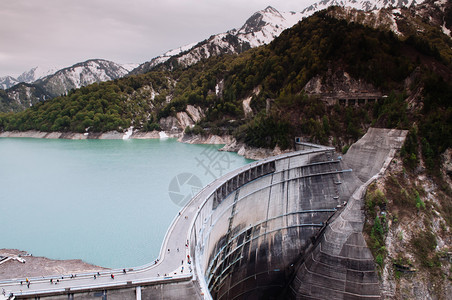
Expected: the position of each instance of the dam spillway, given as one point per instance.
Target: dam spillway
(288, 226)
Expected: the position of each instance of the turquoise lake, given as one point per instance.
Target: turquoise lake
(107, 202)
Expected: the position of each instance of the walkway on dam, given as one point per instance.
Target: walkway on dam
(172, 265)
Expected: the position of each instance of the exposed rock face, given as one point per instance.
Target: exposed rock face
(169, 124)
(195, 113)
(43, 135)
(189, 117)
(406, 223)
(146, 135)
(447, 161)
(184, 120)
(208, 139)
(246, 103)
(231, 145)
(250, 152)
(439, 13)
(337, 82)
(246, 107)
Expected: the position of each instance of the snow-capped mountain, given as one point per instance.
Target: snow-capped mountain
(403, 21)
(161, 59)
(129, 67)
(365, 5)
(7, 81)
(30, 76)
(261, 28)
(36, 73)
(81, 74)
(23, 95)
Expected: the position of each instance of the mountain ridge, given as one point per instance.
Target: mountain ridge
(265, 27)
(36, 73)
(25, 94)
(8, 81)
(365, 5)
(261, 28)
(81, 74)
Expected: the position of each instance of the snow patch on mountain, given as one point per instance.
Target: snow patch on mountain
(365, 5)
(261, 28)
(81, 74)
(179, 50)
(392, 18)
(143, 68)
(7, 81)
(36, 73)
(129, 67)
(29, 76)
(265, 25)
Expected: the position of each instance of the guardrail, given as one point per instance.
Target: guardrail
(105, 286)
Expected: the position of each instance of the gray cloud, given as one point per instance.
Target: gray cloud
(63, 32)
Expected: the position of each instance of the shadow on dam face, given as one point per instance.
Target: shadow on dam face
(293, 227)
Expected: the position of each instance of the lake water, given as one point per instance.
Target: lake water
(107, 202)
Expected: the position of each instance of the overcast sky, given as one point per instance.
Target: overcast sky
(64, 32)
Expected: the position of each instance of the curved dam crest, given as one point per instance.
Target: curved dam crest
(289, 226)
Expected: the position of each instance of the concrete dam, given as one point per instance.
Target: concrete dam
(287, 227)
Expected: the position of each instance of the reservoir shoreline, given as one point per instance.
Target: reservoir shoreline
(110, 135)
(229, 142)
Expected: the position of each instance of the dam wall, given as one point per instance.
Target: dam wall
(255, 226)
